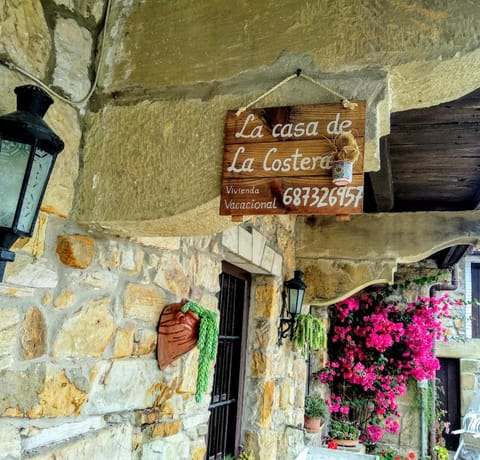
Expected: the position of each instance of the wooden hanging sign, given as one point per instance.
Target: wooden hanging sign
(279, 160)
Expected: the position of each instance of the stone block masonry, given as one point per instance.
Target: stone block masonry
(79, 306)
(77, 350)
(79, 309)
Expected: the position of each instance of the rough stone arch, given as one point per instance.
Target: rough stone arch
(341, 258)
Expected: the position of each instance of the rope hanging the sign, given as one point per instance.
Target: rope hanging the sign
(345, 101)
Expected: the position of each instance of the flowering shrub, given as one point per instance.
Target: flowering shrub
(377, 343)
(391, 454)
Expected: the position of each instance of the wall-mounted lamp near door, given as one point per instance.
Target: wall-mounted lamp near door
(292, 304)
(28, 150)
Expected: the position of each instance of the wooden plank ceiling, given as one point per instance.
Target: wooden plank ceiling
(430, 162)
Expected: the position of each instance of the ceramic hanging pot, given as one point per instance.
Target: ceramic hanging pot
(342, 172)
(177, 333)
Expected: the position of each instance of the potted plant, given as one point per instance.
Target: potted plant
(346, 153)
(310, 332)
(344, 433)
(391, 454)
(316, 411)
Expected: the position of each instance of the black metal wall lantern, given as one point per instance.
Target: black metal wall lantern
(292, 304)
(28, 150)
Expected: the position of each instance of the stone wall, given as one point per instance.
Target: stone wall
(79, 309)
(171, 73)
(464, 348)
(77, 345)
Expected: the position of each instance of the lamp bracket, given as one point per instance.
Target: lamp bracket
(5, 256)
(286, 329)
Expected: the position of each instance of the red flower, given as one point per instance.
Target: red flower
(332, 445)
(411, 455)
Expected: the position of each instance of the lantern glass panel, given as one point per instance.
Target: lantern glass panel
(13, 163)
(295, 300)
(41, 166)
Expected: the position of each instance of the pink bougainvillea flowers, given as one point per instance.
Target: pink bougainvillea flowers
(377, 343)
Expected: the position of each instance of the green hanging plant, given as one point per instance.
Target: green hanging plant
(310, 332)
(207, 344)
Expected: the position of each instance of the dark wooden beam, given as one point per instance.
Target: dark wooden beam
(450, 256)
(476, 199)
(382, 180)
(435, 134)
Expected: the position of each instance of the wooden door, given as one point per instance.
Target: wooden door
(448, 391)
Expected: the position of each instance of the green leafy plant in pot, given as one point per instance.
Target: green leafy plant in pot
(316, 411)
(344, 433)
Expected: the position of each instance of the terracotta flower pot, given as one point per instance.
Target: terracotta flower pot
(347, 442)
(177, 333)
(312, 424)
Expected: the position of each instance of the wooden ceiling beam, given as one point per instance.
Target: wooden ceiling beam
(476, 200)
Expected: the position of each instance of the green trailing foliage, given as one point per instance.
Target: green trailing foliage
(310, 332)
(207, 344)
(425, 281)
